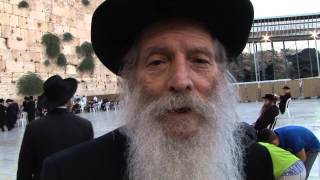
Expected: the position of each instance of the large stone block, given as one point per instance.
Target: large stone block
(14, 66)
(14, 20)
(4, 19)
(38, 15)
(8, 8)
(28, 67)
(71, 69)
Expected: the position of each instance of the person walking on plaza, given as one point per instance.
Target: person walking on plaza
(179, 110)
(12, 113)
(30, 109)
(3, 115)
(283, 99)
(296, 139)
(56, 131)
(268, 113)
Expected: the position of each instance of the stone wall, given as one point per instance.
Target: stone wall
(21, 50)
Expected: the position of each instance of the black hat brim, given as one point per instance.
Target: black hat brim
(117, 23)
(49, 103)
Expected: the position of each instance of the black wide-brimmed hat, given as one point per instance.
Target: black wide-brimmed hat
(270, 97)
(57, 91)
(286, 87)
(116, 24)
(9, 100)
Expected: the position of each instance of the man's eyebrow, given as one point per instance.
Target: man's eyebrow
(202, 50)
(156, 49)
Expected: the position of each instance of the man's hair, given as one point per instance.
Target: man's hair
(266, 135)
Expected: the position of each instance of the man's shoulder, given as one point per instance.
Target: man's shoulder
(104, 155)
(112, 141)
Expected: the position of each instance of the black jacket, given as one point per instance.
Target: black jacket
(58, 130)
(267, 118)
(30, 108)
(12, 113)
(105, 159)
(283, 102)
(3, 115)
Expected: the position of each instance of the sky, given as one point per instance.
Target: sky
(271, 8)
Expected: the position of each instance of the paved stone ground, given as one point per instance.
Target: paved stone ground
(303, 112)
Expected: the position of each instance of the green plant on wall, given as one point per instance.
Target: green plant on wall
(23, 4)
(87, 65)
(52, 43)
(29, 84)
(61, 60)
(85, 49)
(47, 62)
(85, 2)
(67, 36)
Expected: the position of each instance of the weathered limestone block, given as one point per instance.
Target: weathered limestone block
(28, 67)
(14, 66)
(16, 44)
(13, 20)
(8, 8)
(5, 77)
(4, 19)
(15, 76)
(3, 45)
(38, 15)
(22, 22)
(71, 69)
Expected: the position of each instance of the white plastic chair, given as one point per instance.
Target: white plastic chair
(22, 121)
(287, 111)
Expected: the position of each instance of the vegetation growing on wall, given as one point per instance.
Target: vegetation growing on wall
(85, 2)
(61, 60)
(67, 36)
(46, 62)
(52, 43)
(30, 84)
(23, 4)
(87, 65)
(85, 51)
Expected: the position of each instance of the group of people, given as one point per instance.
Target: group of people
(179, 119)
(293, 149)
(10, 112)
(94, 105)
(271, 109)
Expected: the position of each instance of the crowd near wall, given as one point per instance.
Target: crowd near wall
(21, 50)
(300, 88)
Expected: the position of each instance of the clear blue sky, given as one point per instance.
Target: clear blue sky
(269, 8)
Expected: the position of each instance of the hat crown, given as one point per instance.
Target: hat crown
(54, 86)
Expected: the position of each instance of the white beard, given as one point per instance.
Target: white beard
(211, 154)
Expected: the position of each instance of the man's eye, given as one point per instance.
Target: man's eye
(200, 61)
(156, 62)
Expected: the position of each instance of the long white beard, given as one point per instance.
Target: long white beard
(212, 153)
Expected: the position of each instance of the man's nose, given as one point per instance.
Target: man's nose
(180, 79)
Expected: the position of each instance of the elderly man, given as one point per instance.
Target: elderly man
(179, 109)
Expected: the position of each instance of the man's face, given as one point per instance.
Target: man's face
(178, 58)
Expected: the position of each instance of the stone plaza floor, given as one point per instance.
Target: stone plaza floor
(303, 112)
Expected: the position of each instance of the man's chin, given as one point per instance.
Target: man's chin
(181, 135)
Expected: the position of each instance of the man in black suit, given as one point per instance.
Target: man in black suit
(284, 98)
(12, 113)
(3, 115)
(268, 114)
(30, 108)
(179, 110)
(58, 130)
